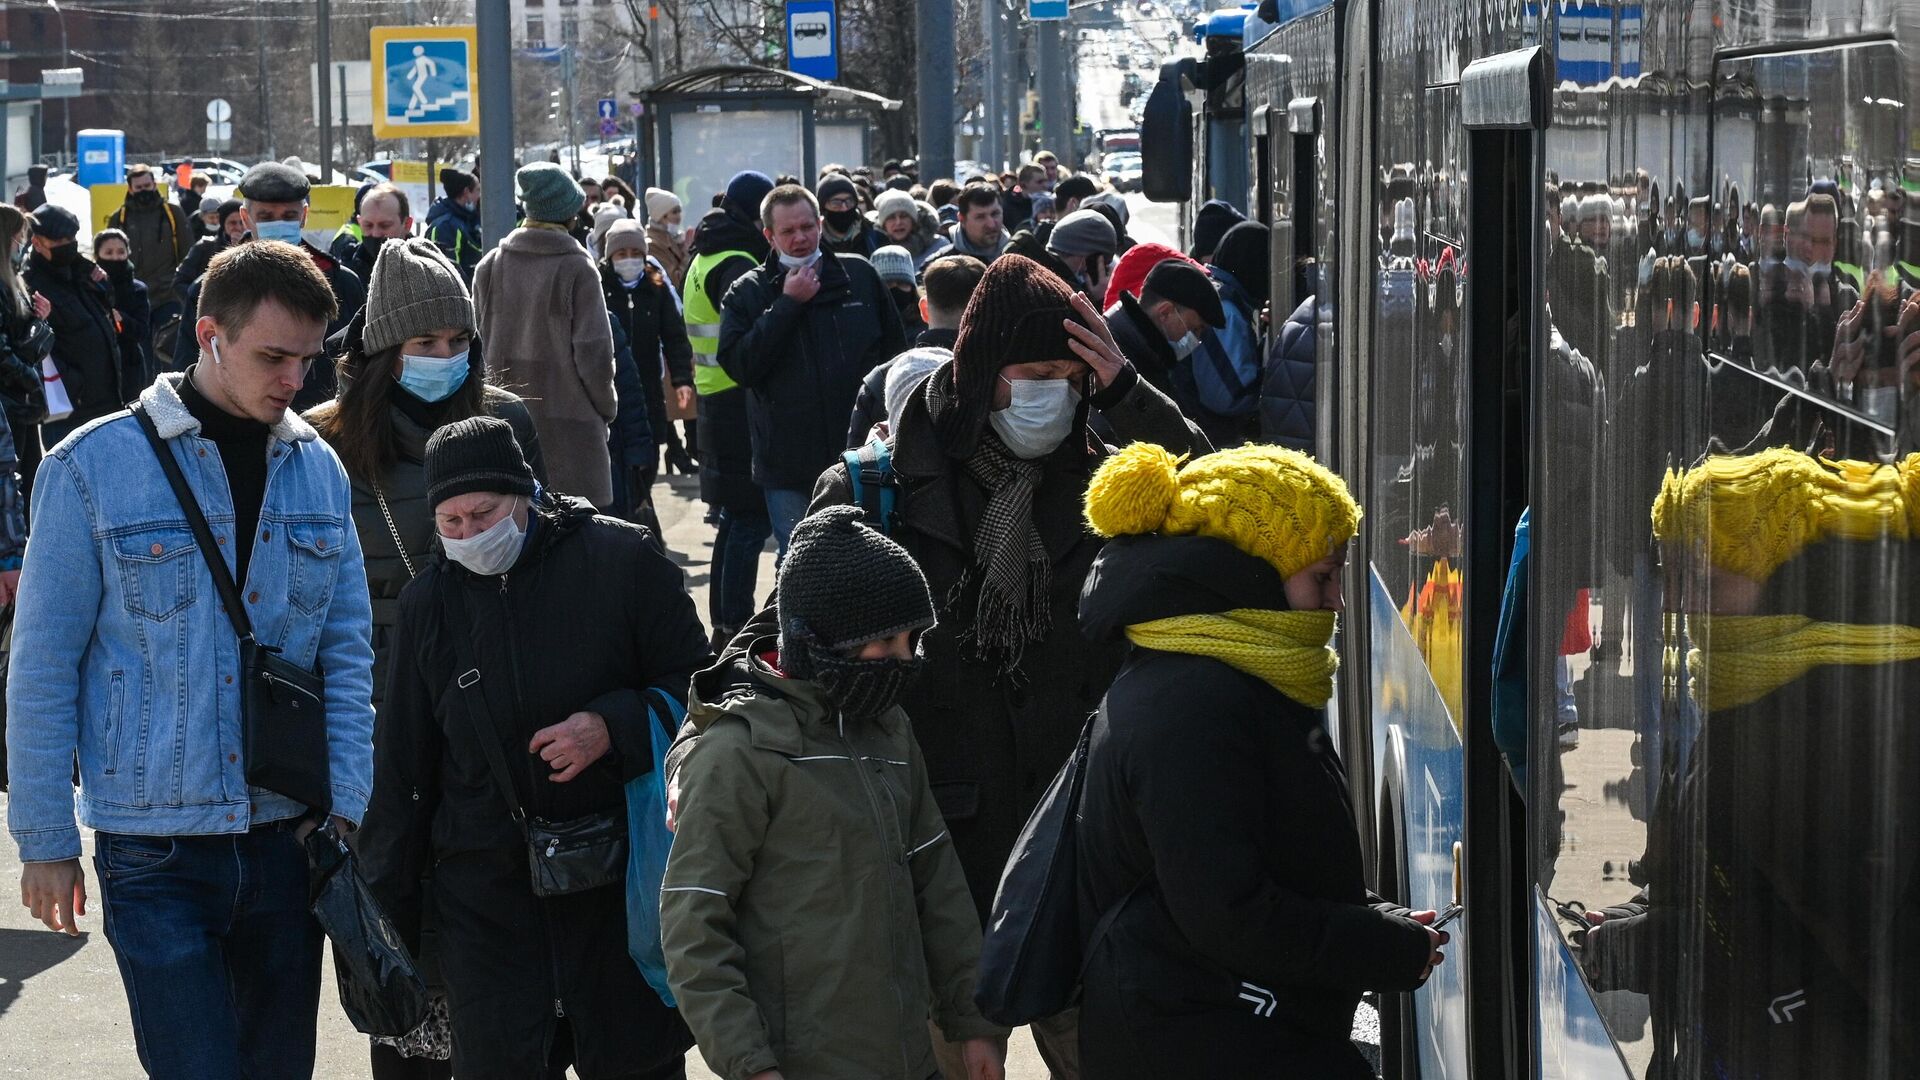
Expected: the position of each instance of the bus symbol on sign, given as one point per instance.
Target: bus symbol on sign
(812, 34)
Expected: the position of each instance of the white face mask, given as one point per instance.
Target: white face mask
(1185, 347)
(792, 263)
(676, 229)
(1038, 419)
(492, 552)
(629, 270)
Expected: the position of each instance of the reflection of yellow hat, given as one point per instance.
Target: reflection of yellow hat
(1754, 513)
(1273, 503)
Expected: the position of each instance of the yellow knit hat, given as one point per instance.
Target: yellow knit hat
(1270, 502)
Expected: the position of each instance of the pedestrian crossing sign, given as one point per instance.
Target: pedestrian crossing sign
(424, 82)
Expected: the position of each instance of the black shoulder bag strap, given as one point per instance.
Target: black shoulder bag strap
(197, 522)
(484, 728)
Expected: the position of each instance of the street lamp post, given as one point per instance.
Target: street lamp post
(66, 60)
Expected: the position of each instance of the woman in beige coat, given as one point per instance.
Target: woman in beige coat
(548, 337)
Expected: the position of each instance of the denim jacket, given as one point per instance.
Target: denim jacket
(123, 654)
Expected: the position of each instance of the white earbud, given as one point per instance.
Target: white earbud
(214, 342)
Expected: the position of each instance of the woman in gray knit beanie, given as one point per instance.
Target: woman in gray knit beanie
(408, 365)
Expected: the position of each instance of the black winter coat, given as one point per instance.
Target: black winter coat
(590, 618)
(1251, 934)
(1286, 387)
(322, 381)
(86, 344)
(656, 332)
(802, 363)
(194, 266)
(993, 743)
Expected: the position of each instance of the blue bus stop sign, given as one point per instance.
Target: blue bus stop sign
(813, 39)
(1043, 10)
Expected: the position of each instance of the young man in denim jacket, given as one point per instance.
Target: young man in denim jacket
(124, 656)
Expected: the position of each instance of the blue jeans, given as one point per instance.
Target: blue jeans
(786, 506)
(738, 540)
(217, 950)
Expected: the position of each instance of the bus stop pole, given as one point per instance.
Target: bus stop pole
(936, 77)
(494, 27)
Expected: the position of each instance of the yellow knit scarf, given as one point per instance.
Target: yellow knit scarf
(1289, 649)
(1740, 659)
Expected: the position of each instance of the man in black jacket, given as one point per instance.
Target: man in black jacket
(1159, 330)
(799, 332)
(86, 342)
(275, 206)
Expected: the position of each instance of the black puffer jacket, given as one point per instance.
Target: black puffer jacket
(86, 346)
(1286, 386)
(656, 332)
(591, 617)
(802, 363)
(1245, 947)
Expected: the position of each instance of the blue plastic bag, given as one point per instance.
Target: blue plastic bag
(649, 842)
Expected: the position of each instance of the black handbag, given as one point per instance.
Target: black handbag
(380, 987)
(563, 857)
(283, 707)
(1032, 958)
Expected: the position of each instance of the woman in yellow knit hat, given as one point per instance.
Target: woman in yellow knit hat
(1215, 842)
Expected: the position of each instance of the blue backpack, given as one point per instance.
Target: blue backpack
(649, 841)
(870, 471)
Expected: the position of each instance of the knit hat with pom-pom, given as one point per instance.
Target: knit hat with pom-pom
(844, 583)
(1270, 502)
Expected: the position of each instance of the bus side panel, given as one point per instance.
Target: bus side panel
(1573, 1039)
(1405, 699)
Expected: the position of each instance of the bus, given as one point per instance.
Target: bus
(1616, 330)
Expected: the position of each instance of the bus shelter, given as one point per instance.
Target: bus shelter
(703, 126)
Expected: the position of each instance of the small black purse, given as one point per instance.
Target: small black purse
(283, 709)
(564, 857)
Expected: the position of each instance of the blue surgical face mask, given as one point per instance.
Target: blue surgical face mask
(433, 378)
(287, 232)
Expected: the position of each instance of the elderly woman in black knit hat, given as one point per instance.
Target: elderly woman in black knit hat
(531, 660)
(991, 458)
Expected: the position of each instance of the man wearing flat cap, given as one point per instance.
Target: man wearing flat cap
(274, 204)
(1160, 332)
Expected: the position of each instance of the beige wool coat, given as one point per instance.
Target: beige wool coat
(548, 339)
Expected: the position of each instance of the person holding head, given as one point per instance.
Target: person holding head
(980, 231)
(667, 235)
(530, 662)
(544, 319)
(274, 205)
(907, 223)
(133, 312)
(158, 235)
(93, 369)
(384, 216)
(950, 282)
(1211, 778)
(26, 340)
(453, 221)
(811, 923)
(1085, 243)
(992, 453)
(799, 332)
(728, 244)
(642, 302)
(202, 875)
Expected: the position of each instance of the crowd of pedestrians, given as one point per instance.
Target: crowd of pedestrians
(404, 481)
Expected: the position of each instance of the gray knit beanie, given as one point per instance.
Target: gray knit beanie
(413, 291)
(548, 193)
(842, 584)
(1083, 232)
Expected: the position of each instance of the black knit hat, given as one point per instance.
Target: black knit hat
(476, 454)
(843, 584)
(1014, 317)
(1211, 223)
(1243, 253)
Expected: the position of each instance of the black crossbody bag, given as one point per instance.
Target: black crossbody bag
(283, 706)
(563, 857)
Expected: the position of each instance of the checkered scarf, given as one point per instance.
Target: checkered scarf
(1010, 564)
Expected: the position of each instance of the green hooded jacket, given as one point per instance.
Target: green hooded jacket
(814, 913)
